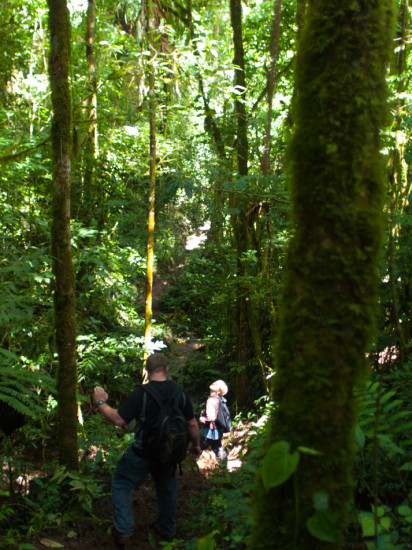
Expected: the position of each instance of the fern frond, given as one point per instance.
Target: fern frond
(19, 389)
(16, 404)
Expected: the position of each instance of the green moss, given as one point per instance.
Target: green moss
(329, 299)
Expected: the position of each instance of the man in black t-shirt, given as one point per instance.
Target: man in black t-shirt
(134, 465)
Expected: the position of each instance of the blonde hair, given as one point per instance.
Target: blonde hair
(219, 387)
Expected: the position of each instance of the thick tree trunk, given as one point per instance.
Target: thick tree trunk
(330, 293)
(59, 25)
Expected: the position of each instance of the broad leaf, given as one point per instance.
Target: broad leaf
(278, 464)
(322, 526)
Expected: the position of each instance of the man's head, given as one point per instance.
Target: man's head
(156, 363)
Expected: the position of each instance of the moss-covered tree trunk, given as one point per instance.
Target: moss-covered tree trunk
(330, 286)
(240, 220)
(91, 141)
(271, 81)
(59, 60)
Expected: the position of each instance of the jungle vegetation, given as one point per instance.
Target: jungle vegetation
(280, 132)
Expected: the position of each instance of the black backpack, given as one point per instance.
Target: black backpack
(167, 439)
(223, 420)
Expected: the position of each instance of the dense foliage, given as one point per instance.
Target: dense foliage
(197, 291)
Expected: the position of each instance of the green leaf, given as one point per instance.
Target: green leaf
(207, 543)
(367, 522)
(322, 526)
(278, 464)
(407, 466)
(9, 354)
(188, 190)
(309, 451)
(387, 396)
(321, 501)
(51, 543)
(392, 404)
(359, 436)
(331, 148)
(385, 522)
(404, 510)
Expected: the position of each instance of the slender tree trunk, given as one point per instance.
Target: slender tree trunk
(329, 301)
(151, 214)
(274, 53)
(91, 145)
(240, 83)
(59, 25)
(265, 166)
(240, 221)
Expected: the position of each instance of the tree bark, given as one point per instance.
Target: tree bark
(151, 217)
(274, 53)
(64, 306)
(329, 300)
(240, 83)
(152, 195)
(91, 144)
(240, 220)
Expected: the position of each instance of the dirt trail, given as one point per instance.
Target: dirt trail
(89, 536)
(196, 479)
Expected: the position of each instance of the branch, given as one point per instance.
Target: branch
(14, 156)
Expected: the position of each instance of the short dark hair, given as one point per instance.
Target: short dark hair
(156, 362)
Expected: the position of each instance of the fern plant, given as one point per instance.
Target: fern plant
(22, 389)
(384, 436)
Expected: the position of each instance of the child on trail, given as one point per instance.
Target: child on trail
(211, 434)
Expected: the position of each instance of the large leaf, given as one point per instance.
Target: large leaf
(367, 521)
(359, 436)
(322, 526)
(278, 464)
(207, 542)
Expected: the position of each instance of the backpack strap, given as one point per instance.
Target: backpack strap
(141, 420)
(160, 400)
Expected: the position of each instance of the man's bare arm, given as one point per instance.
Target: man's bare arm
(108, 412)
(194, 435)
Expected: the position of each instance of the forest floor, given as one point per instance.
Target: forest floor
(194, 481)
(197, 479)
